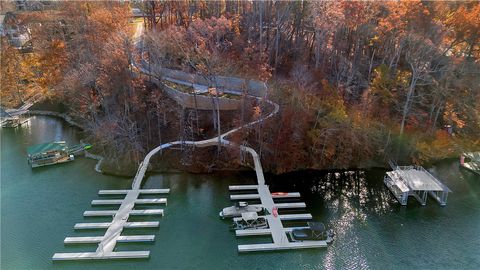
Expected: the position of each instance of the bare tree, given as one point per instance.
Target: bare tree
(426, 65)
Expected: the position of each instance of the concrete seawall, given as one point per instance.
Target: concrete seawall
(202, 102)
(64, 116)
(233, 84)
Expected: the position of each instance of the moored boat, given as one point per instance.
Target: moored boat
(250, 221)
(48, 154)
(316, 231)
(239, 208)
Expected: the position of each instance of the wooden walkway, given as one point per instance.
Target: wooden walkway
(120, 217)
(106, 246)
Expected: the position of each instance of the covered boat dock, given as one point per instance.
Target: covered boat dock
(48, 154)
(405, 181)
(52, 153)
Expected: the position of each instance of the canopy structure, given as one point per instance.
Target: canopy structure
(46, 147)
(247, 216)
(420, 180)
(415, 181)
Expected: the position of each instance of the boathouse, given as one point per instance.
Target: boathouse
(48, 154)
(405, 181)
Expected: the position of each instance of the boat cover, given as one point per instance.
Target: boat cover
(249, 216)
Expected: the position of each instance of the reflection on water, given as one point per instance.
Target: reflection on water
(40, 207)
(374, 231)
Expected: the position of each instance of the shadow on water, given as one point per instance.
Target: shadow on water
(372, 230)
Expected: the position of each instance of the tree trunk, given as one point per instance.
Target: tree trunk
(408, 101)
(318, 48)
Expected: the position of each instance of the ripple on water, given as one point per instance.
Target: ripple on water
(40, 208)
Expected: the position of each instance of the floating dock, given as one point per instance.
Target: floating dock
(276, 229)
(105, 225)
(106, 213)
(114, 229)
(471, 161)
(13, 122)
(405, 181)
(98, 239)
(100, 256)
(138, 201)
(257, 196)
(125, 191)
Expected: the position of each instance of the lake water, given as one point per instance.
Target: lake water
(39, 208)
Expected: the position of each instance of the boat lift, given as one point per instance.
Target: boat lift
(405, 181)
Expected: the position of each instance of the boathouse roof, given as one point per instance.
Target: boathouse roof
(46, 147)
(417, 178)
(420, 180)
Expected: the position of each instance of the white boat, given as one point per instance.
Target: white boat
(237, 210)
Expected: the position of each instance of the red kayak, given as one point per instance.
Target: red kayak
(275, 211)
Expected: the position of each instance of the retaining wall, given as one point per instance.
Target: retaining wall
(226, 84)
(203, 102)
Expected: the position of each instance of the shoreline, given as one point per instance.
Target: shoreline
(100, 159)
(71, 122)
(64, 116)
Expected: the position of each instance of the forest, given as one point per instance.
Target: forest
(359, 83)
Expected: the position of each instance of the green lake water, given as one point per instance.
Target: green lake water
(40, 207)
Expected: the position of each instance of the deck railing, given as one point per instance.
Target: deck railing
(420, 168)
